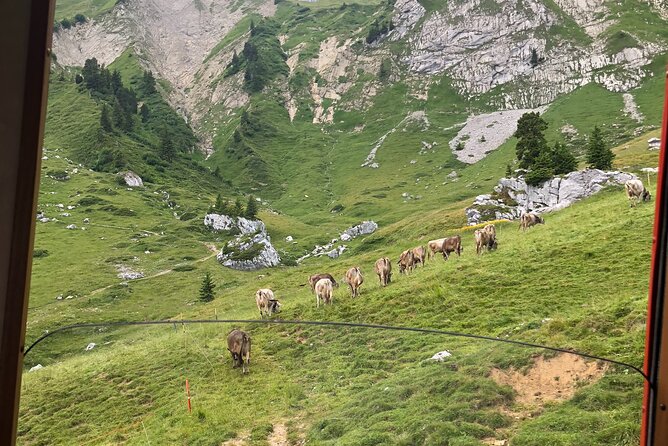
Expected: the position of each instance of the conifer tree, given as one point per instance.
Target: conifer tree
(206, 290)
(598, 155)
(105, 119)
(251, 209)
(531, 140)
(563, 161)
(238, 208)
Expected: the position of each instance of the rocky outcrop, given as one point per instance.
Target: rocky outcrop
(512, 196)
(366, 227)
(332, 250)
(250, 250)
(132, 179)
(407, 13)
(483, 45)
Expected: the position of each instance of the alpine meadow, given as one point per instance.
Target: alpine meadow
(203, 160)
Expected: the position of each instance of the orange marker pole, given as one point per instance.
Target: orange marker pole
(190, 409)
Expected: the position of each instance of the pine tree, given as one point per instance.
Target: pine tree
(206, 290)
(541, 171)
(144, 112)
(509, 171)
(251, 209)
(598, 156)
(220, 204)
(166, 150)
(534, 58)
(148, 83)
(563, 161)
(116, 81)
(238, 208)
(105, 119)
(531, 140)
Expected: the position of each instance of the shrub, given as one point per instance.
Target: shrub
(39, 253)
(59, 175)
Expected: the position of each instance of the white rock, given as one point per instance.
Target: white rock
(441, 356)
(35, 368)
(289, 238)
(90, 346)
(132, 179)
(73, 226)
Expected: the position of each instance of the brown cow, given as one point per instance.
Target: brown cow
(266, 302)
(312, 280)
(383, 268)
(434, 246)
(485, 238)
(354, 279)
(239, 345)
(323, 290)
(452, 244)
(636, 191)
(530, 219)
(406, 262)
(419, 255)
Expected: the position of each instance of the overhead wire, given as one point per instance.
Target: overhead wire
(335, 324)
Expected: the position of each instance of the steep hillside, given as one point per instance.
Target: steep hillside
(330, 113)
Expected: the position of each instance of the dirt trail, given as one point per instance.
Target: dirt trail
(160, 273)
(279, 436)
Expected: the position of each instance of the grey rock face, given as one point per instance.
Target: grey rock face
(252, 235)
(512, 196)
(483, 46)
(406, 15)
(366, 227)
(132, 179)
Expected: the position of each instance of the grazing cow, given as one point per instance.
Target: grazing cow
(636, 191)
(452, 244)
(485, 238)
(530, 219)
(239, 345)
(354, 279)
(406, 262)
(323, 290)
(383, 268)
(419, 255)
(312, 280)
(434, 246)
(266, 302)
(490, 229)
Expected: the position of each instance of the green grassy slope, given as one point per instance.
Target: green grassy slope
(578, 282)
(573, 282)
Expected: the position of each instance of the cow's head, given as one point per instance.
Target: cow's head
(274, 306)
(646, 196)
(539, 220)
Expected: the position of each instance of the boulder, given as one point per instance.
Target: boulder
(441, 356)
(35, 368)
(71, 227)
(90, 346)
(132, 179)
(252, 238)
(366, 227)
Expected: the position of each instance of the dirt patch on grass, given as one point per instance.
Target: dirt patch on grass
(554, 379)
(241, 440)
(279, 436)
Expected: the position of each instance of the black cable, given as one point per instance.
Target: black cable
(335, 324)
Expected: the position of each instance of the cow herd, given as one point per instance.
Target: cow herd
(323, 284)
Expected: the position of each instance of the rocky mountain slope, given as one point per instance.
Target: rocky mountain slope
(509, 53)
